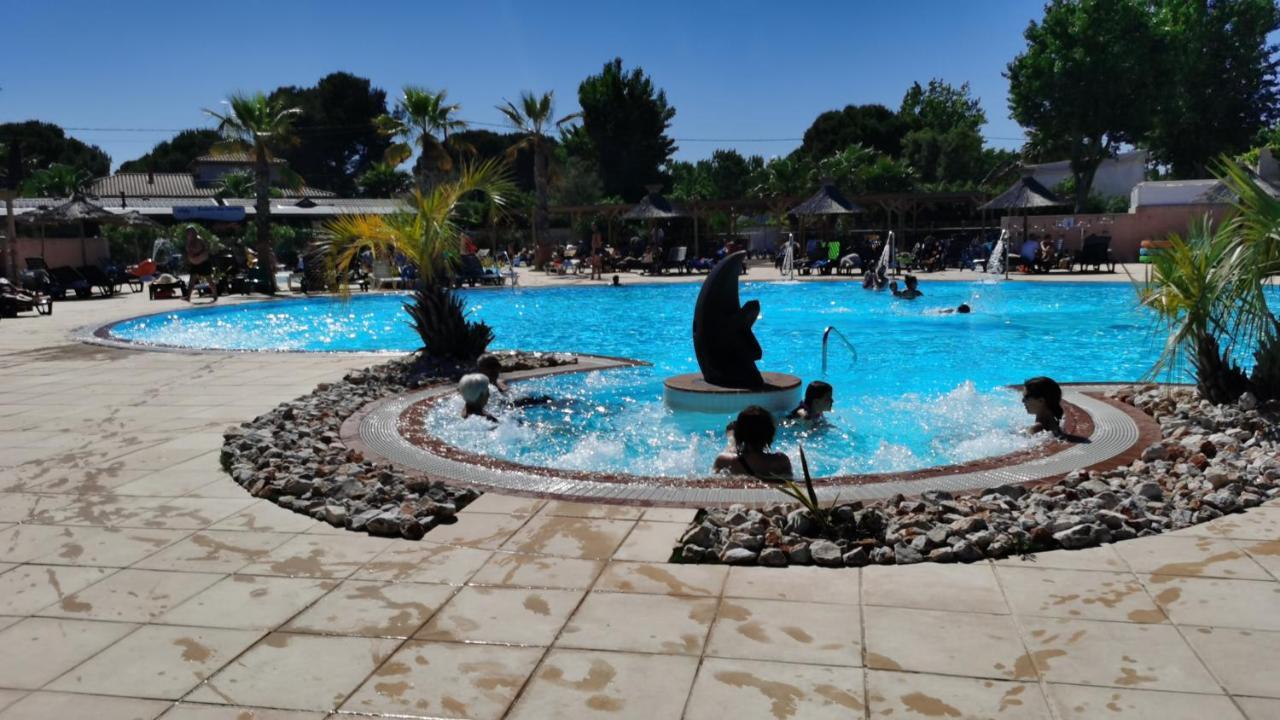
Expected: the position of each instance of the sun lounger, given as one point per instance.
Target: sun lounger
(14, 300)
(383, 275)
(97, 278)
(1095, 252)
(676, 260)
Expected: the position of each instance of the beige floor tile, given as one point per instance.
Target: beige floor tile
(486, 531)
(108, 547)
(186, 513)
(787, 631)
(492, 502)
(805, 584)
(944, 643)
(1236, 657)
(6, 621)
(191, 711)
(663, 579)
(1218, 602)
(1103, 558)
(1260, 523)
(18, 507)
(37, 650)
(9, 697)
(650, 542)
(31, 588)
(67, 705)
(373, 609)
(1142, 657)
(750, 689)
(603, 511)
(220, 551)
(683, 516)
(220, 487)
(968, 588)
(95, 511)
(93, 481)
(24, 543)
(248, 602)
(157, 661)
(519, 570)
(912, 695)
(1078, 593)
(424, 562)
(319, 556)
(267, 517)
(447, 680)
(1264, 552)
(167, 483)
(502, 615)
(1190, 557)
(132, 596)
(570, 537)
(1258, 708)
(640, 623)
(296, 672)
(1079, 702)
(620, 686)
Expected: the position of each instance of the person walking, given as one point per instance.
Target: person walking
(201, 263)
(597, 253)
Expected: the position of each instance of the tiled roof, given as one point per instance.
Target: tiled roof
(172, 185)
(234, 159)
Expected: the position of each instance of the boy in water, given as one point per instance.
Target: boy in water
(491, 367)
(818, 399)
(911, 292)
(474, 389)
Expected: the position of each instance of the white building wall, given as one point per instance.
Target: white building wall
(1115, 176)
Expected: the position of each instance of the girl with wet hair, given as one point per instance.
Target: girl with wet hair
(750, 436)
(1042, 398)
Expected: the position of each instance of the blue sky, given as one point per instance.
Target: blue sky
(735, 71)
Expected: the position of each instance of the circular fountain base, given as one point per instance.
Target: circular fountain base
(690, 392)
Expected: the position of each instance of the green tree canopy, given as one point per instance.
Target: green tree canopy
(336, 136)
(726, 175)
(384, 181)
(489, 145)
(175, 154)
(873, 126)
(56, 181)
(941, 106)
(1084, 85)
(1219, 86)
(625, 118)
(26, 147)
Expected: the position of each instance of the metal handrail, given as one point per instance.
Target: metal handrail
(826, 335)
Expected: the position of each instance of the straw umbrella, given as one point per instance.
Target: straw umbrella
(826, 202)
(1025, 195)
(78, 210)
(654, 207)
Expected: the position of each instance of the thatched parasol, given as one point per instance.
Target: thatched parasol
(1026, 194)
(78, 210)
(827, 201)
(653, 207)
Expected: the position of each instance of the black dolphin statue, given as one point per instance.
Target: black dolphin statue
(727, 350)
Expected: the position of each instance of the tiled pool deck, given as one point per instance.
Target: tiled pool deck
(138, 581)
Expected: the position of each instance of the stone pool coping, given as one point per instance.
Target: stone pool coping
(1117, 434)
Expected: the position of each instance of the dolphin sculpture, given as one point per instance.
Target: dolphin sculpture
(722, 339)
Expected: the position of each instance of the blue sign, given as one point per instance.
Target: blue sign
(219, 213)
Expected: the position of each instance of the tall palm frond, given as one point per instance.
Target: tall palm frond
(424, 121)
(1254, 258)
(532, 118)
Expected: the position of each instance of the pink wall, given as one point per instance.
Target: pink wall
(62, 251)
(1127, 230)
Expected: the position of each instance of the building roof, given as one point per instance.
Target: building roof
(1190, 192)
(172, 185)
(234, 158)
(1139, 156)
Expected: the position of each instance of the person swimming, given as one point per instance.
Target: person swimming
(1042, 398)
(750, 436)
(818, 399)
(474, 389)
(962, 309)
(491, 367)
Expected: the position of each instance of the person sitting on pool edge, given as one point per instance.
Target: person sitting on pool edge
(474, 389)
(750, 437)
(1042, 398)
(911, 292)
(818, 399)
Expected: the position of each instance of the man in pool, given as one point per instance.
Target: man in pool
(750, 437)
(911, 292)
(818, 399)
(474, 389)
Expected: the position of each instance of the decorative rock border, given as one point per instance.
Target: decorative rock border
(1209, 461)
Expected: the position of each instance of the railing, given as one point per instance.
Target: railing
(826, 335)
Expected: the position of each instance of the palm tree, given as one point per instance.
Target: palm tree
(236, 185)
(428, 235)
(56, 181)
(422, 121)
(382, 180)
(257, 125)
(532, 118)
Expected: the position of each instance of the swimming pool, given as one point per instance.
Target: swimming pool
(925, 388)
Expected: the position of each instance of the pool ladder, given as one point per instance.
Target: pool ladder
(826, 336)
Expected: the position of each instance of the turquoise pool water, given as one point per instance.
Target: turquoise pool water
(924, 390)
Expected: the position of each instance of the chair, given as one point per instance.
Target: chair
(95, 276)
(383, 275)
(470, 271)
(14, 300)
(676, 260)
(65, 278)
(1096, 252)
